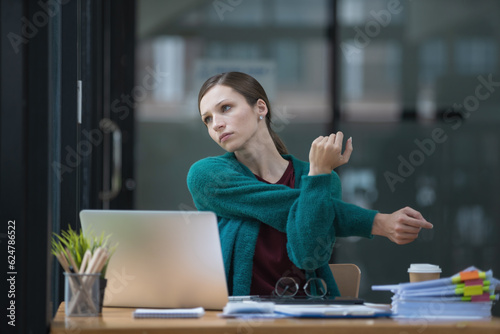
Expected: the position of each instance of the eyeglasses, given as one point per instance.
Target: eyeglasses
(287, 287)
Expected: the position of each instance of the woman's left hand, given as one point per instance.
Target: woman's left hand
(401, 227)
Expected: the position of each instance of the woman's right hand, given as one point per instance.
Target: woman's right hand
(326, 153)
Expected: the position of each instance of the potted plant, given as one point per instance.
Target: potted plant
(83, 254)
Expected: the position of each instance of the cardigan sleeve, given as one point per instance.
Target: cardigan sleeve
(316, 219)
(311, 215)
(231, 192)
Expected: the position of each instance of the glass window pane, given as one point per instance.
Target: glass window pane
(475, 55)
(283, 44)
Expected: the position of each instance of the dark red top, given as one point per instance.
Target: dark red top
(270, 261)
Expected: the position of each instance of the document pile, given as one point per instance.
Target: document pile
(468, 294)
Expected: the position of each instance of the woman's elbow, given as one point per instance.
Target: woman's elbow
(312, 255)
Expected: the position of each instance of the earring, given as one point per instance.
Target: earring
(261, 117)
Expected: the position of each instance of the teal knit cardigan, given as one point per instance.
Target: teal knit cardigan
(312, 215)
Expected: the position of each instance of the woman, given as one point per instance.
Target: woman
(278, 216)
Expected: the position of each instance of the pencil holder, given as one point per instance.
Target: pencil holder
(102, 289)
(82, 295)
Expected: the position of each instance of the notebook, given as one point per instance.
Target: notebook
(163, 259)
(196, 312)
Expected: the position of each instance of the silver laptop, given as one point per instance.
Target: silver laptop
(164, 259)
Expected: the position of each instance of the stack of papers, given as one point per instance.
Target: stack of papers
(468, 294)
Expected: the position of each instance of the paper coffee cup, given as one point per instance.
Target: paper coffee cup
(423, 272)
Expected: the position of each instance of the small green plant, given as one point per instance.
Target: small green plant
(78, 253)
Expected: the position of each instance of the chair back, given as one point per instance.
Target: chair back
(347, 276)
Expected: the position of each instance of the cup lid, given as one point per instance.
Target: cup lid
(424, 268)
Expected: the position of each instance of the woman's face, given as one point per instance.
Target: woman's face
(231, 121)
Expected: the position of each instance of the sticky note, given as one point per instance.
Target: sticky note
(469, 275)
(473, 290)
(485, 297)
(476, 282)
